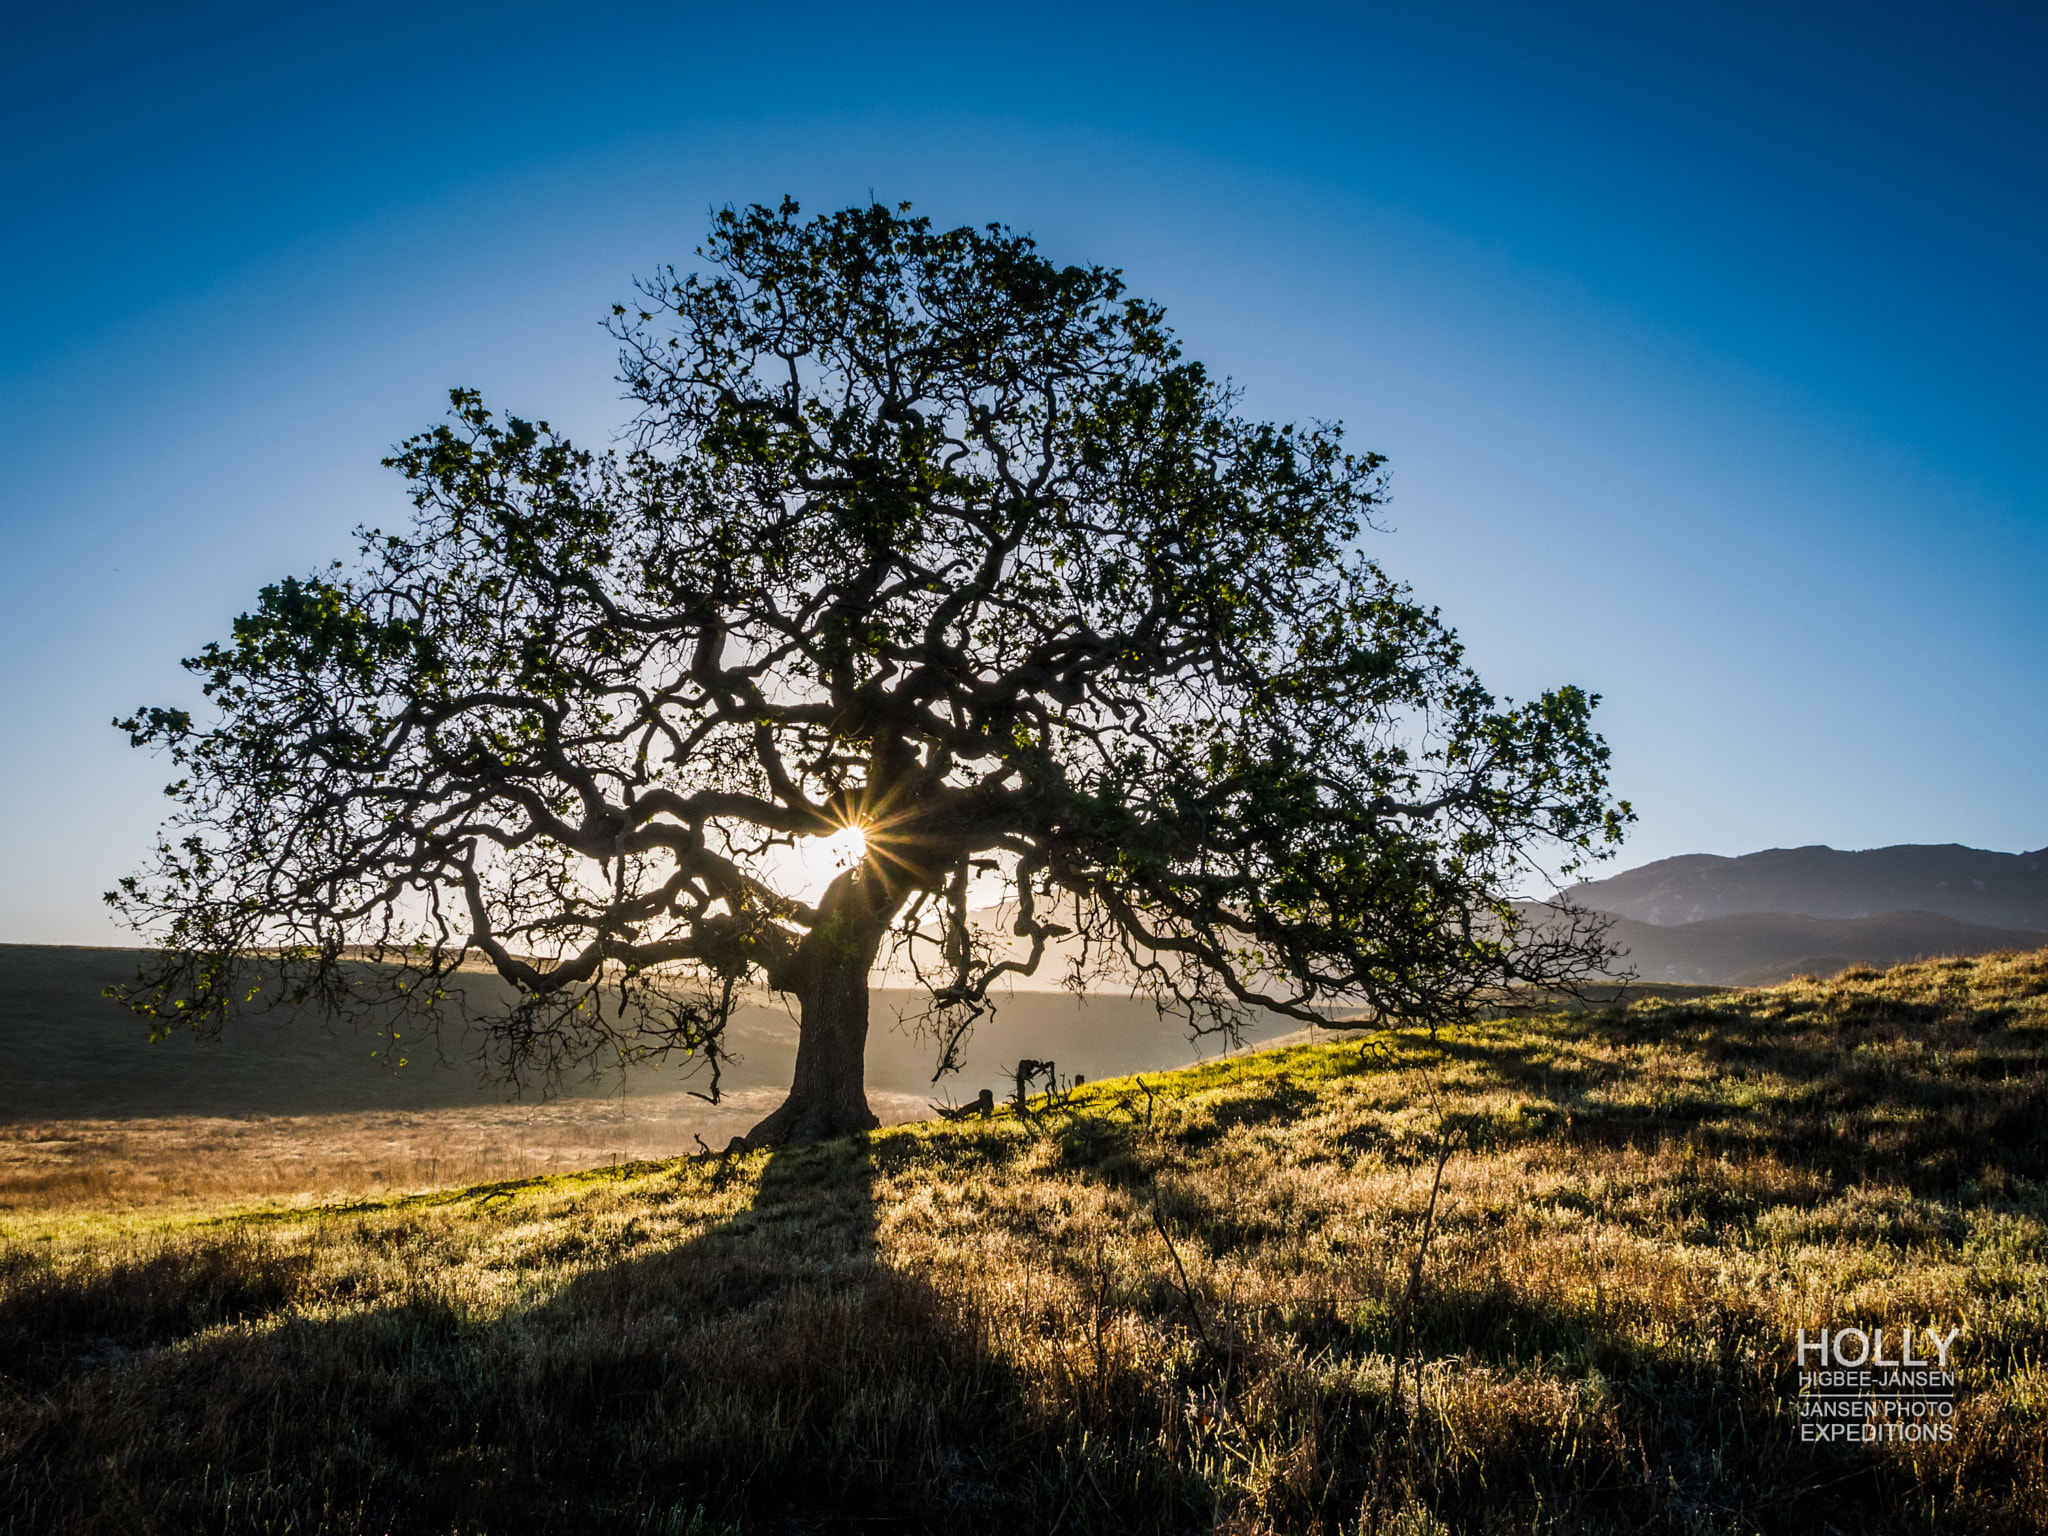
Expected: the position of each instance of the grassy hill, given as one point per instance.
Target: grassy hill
(1163, 1306)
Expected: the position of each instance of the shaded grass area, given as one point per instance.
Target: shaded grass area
(1135, 1312)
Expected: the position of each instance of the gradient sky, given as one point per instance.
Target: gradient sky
(1706, 343)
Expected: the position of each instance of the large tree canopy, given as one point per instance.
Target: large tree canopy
(914, 533)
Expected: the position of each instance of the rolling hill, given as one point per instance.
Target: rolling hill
(1971, 885)
(1755, 949)
(72, 1053)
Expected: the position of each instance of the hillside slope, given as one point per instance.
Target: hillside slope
(1195, 1304)
(1997, 890)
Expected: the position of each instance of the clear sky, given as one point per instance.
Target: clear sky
(1706, 343)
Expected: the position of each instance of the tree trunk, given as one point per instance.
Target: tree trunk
(828, 1096)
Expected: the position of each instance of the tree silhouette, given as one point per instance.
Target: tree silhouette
(914, 533)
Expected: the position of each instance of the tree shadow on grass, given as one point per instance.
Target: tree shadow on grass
(770, 1371)
(772, 1366)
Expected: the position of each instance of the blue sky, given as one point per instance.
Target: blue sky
(1705, 344)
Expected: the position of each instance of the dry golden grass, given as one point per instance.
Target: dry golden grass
(154, 1162)
(1088, 1322)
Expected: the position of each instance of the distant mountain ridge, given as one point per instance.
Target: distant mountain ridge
(1970, 885)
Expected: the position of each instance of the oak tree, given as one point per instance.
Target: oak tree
(917, 533)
